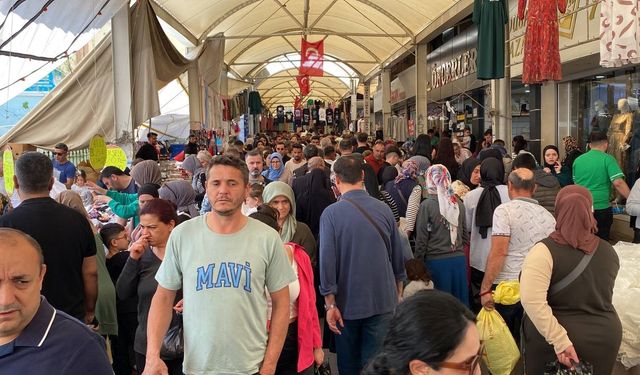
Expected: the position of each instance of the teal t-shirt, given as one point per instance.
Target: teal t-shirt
(596, 170)
(223, 278)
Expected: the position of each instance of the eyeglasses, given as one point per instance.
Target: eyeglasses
(470, 365)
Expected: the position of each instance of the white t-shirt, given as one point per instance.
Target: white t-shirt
(479, 248)
(224, 279)
(526, 223)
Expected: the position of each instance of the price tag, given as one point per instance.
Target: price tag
(116, 158)
(7, 164)
(97, 152)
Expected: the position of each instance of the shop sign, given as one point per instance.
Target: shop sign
(459, 66)
(580, 25)
(403, 86)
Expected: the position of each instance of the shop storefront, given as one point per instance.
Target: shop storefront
(589, 97)
(456, 98)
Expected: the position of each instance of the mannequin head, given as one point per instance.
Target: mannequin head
(623, 106)
(598, 105)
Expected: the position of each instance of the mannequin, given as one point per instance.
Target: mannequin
(601, 119)
(620, 133)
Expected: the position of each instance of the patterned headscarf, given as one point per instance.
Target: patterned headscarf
(570, 143)
(438, 182)
(409, 170)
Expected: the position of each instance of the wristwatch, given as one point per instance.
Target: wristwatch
(329, 307)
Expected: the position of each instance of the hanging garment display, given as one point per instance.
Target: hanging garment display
(329, 115)
(306, 116)
(288, 116)
(619, 32)
(322, 114)
(491, 16)
(297, 117)
(255, 104)
(280, 114)
(541, 54)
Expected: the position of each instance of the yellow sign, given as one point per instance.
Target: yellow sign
(7, 164)
(97, 152)
(116, 158)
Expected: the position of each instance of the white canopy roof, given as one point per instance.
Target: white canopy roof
(361, 34)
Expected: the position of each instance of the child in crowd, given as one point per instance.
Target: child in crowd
(116, 240)
(80, 187)
(253, 200)
(418, 276)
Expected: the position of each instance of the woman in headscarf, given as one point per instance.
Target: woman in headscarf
(280, 196)
(479, 206)
(440, 235)
(407, 193)
(146, 172)
(577, 322)
(275, 167)
(181, 194)
(445, 155)
(469, 173)
(106, 313)
(316, 196)
(571, 153)
(388, 174)
(551, 165)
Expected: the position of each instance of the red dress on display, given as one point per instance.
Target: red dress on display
(541, 54)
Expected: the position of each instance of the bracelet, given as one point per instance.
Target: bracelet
(486, 292)
(329, 307)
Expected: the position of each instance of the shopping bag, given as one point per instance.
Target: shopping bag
(500, 350)
(507, 293)
(173, 342)
(557, 368)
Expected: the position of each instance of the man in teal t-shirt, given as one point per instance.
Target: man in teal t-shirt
(223, 261)
(597, 171)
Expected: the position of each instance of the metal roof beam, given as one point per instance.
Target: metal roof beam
(298, 60)
(284, 8)
(311, 31)
(387, 14)
(324, 12)
(173, 22)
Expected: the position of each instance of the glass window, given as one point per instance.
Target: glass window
(607, 103)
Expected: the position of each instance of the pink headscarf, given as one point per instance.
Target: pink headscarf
(575, 224)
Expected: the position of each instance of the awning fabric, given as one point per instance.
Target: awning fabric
(82, 104)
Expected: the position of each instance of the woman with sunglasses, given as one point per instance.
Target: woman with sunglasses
(430, 332)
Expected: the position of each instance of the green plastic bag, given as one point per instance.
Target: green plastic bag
(500, 350)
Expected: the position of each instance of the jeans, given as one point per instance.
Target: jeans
(360, 341)
(604, 218)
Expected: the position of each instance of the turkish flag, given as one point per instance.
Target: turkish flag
(303, 83)
(297, 102)
(312, 58)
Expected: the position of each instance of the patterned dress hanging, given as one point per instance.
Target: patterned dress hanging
(541, 54)
(619, 32)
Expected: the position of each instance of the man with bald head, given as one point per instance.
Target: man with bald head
(35, 338)
(517, 226)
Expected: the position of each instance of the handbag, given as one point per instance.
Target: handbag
(557, 368)
(323, 369)
(173, 342)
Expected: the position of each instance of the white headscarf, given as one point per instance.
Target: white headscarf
(438, 182)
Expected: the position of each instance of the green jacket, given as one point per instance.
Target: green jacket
(124, 205)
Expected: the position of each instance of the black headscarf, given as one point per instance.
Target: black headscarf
(388, 174)
(492, 175)
(544, 160)
(465, 172)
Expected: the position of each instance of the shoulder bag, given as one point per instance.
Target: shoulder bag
(372, 222)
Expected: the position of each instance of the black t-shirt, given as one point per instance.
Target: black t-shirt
(66, 239)
(297, 117)
(280, 114)
(115, 264)
(146, 152)
(306, 116)
(362, 149)
(329, 116)
(191, 148)
(288, 116)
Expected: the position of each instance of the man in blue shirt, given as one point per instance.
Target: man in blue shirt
(35, 338)
(65, 168)
(361, 267)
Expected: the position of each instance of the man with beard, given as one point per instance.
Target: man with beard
(224, 263)
(296, 162)
(256, 165)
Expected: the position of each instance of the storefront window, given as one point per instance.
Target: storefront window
(520, 110)
(608, 103)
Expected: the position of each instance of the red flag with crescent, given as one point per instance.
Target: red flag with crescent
(312, 58)
(303, 83)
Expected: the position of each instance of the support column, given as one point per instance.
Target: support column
(549, 115)
(535, 119)
(196, 113)
(354, 104)
(122, 90)
(421, 89)
(366, 108)
(386, 102)
(501, 105)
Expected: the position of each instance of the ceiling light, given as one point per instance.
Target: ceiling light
(599, 77)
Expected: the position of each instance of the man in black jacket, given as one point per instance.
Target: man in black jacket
(148, 151)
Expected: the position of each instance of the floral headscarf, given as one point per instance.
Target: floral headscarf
(570, 143)
(409, 170)
(438, 182)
